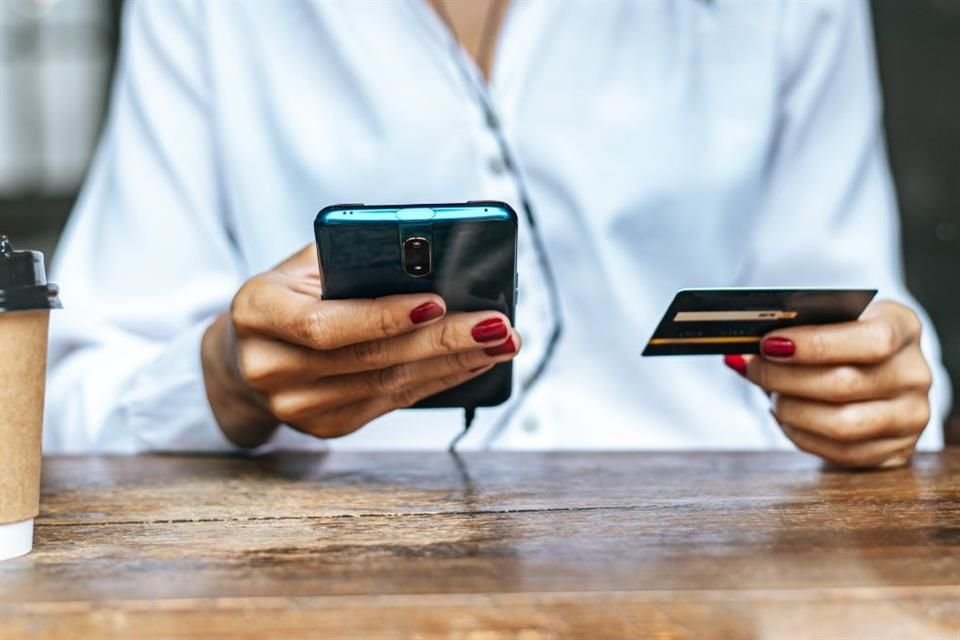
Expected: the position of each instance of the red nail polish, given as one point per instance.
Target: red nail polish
(490, 330)
(426, 312)
(510, 346)
(737, 363)
(777, 347)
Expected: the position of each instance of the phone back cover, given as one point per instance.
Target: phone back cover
(473, 269)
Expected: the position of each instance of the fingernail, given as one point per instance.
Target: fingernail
(737, 363)
(777, 347)
(502, 349)
(490, 330)
(426, 312)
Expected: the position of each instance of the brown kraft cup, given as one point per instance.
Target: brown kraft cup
(25, 302)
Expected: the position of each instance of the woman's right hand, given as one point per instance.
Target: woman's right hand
(281, 355)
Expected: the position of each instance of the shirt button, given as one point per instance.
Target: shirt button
(531, 424)
(497, 165)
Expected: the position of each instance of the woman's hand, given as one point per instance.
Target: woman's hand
(327, 367)
(855, 394)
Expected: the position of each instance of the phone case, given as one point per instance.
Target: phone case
(473, 268)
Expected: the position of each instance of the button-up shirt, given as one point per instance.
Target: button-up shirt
(665, 144)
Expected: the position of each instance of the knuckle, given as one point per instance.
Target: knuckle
(840, 453)
(411, 394)
(921, 378)
(851, 424)
(407, 397)
(447, 338)
(817, 347)
(465, 360)
(371, 353)
(846, 456)
(884, 341)
(291, 407)
(845, 383)
(391, 379)
(797, 438)
(913, 324)
(451, 380)
(303, 327)
(254, 365)
(897, 458)
(920, 415)
(313, 328)
(324, 427)
(926, 379)
(242, 308)
(388, 322)
(281, 407)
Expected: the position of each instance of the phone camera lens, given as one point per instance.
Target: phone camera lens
(416, 257)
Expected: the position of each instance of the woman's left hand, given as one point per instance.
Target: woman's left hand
(855, 394)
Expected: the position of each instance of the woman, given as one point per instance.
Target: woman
(665, 144)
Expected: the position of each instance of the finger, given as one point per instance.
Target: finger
(882, 452)
(413, 395)
(884, 330)
(267, 363)
(340, 421)
(907, 371)
(270, 307)
(295, 404)
(344, 420)
(459, 334)
(740, 364)
(905, 415)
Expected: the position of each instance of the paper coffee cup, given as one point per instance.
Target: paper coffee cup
(25, 302)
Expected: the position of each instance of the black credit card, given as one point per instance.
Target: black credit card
(721, 321)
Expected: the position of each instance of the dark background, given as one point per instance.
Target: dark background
(918, 48)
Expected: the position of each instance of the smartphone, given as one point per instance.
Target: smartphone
(465, 253)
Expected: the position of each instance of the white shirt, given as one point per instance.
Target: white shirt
(666, 143)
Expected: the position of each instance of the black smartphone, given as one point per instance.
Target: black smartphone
(466, 253)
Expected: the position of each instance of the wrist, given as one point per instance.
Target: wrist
(239, 414)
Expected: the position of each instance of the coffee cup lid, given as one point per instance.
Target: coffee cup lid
(23, 280)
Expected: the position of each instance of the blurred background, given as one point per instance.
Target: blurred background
(56, 60)
(57, 56)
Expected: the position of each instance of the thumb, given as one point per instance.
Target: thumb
(302, 263)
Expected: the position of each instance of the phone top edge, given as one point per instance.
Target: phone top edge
(777, 289)
(472, 210)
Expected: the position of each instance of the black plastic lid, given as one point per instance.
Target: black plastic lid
(23, 281)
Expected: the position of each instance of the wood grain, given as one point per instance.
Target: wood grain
(659, 545)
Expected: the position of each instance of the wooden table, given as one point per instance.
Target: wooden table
(489, 546)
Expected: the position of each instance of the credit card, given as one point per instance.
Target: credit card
(721, 321)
